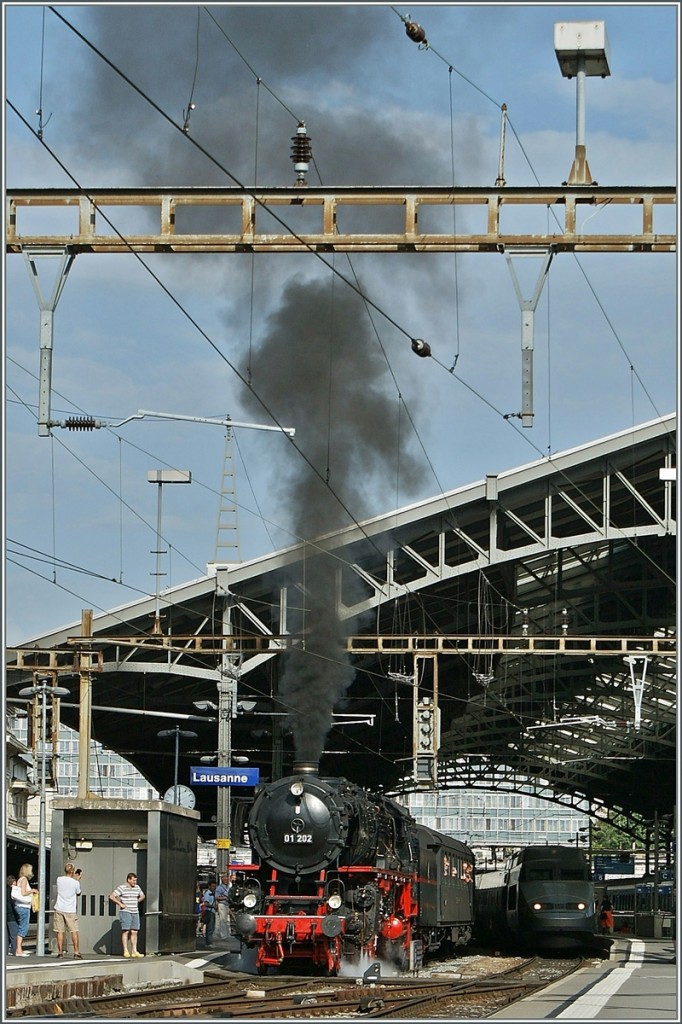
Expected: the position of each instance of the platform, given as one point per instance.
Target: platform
(638, 982)
(43, 978)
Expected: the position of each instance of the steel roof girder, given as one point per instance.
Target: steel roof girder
(639, 497)
(161, 668)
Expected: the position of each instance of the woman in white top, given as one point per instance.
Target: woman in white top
(22, 895)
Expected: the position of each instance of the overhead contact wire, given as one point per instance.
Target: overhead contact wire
(249, 191)
(202, 332)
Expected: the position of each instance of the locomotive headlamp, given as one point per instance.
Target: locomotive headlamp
(250, 900)
(334, 901)
(582, 906)
(537, 906)
(296, 788)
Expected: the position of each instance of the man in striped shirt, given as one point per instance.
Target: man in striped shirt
(128, 898)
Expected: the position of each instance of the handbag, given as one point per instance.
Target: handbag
(35, 901)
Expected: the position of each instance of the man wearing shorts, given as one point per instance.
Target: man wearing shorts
(128, 897)
(65, 917)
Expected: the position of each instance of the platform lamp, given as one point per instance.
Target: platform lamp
(582, 835)
(40, 691)
(582, 50)
(178, 734)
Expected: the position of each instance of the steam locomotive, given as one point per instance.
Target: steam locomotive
(542, 899)
(343, 874)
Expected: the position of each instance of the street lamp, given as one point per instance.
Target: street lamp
(177, 732)
(40, 691)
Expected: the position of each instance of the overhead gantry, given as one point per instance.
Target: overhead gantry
(315, 219)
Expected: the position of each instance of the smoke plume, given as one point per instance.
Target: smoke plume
(319, 369)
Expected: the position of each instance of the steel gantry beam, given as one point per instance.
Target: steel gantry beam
(64, 661)
(316, 221)
(277, 219)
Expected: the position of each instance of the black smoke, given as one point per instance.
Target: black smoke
(318, 365)
(316, 63)
(320, 369)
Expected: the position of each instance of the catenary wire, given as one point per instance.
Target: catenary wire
(441, 365)
(249, 191)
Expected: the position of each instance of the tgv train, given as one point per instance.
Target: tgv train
(343, 873)
(543, 898)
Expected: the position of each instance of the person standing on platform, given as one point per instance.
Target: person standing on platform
(223, 907)
(128, 897)
(65, 917)
(22, 895)
(209, 913)
(606, 917)
(11, 918)
(198, 908)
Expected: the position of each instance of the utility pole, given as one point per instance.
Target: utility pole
(227, 709)
(42, 691)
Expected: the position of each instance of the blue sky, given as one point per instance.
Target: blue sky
(80, 517)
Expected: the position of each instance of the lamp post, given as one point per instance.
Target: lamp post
(40, 692)
(177, 732)
(583, 836)
(582, 49)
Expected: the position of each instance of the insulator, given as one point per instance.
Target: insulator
(415, 32)
(422, 348)
(301, 152)
(80, 423)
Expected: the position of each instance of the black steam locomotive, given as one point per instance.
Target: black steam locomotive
(342, 874)
(542, 899)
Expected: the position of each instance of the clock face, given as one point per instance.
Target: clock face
(186, 797)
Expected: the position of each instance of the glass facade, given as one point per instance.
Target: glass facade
(110, 774)
(491, 822)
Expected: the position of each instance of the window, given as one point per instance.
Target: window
(19, 807)
(529, 874)
(511, 897)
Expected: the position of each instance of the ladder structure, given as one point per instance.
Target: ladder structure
(227, 549)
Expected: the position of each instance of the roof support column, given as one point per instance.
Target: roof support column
(85, 709)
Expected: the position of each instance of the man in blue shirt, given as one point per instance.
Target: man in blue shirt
(223, 907)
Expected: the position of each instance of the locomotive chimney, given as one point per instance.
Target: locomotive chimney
(306, 768)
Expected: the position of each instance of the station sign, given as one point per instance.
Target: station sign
(613, 866)
(204, 776)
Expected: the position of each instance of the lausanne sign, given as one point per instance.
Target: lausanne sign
(224, 776)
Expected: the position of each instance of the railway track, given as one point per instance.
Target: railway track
(244, 998)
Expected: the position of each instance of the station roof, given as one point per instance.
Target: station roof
(540, 603)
